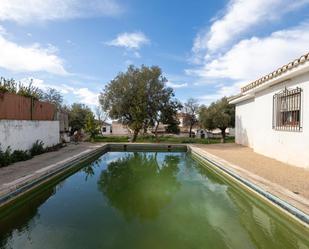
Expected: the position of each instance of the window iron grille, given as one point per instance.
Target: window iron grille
(287, 113)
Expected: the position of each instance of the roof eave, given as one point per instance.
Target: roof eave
(301, 69)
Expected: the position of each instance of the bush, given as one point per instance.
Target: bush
(37, 148)
(5, 157)
(20, 155)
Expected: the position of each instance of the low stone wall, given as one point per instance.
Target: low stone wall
(22, 134)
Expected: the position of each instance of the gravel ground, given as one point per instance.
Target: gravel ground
(293, 178)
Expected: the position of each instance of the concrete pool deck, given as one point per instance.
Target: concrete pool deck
(289, 183)
(19, 174)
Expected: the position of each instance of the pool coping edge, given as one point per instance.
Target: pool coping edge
(284, 206)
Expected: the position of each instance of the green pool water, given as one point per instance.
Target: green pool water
(147, 200)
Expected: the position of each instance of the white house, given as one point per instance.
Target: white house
(272, 114)
(118, 129)
(106, 128)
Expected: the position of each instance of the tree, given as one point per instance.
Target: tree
(91, 126)
(164, 109)
(191, 108)
(101, 115)
(219, 114)
(136, 96)
(78, 114)
(53, 96)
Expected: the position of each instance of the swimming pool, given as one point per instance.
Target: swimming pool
(146, 200)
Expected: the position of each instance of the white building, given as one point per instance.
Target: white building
(272, 114)
(106, 129)
(118, 129)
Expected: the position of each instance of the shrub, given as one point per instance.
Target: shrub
(7, 85)
(37, 148)
(5, 157)
(20, 155)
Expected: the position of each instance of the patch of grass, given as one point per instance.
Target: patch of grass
(162, 139)
(111, 139)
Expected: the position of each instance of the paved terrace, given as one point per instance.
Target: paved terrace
(289, 183)
(15, 175)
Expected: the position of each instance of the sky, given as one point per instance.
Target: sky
(206, 49)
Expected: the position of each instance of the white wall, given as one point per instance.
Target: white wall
(108, 130)
(119, 130)
(286, 146)
(244, 123)
(21, 134)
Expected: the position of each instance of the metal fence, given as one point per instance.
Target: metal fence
(287, 110)
(15, 107)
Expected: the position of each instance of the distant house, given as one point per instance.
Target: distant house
(119, 129)
(183, 126)
(105, 128)
(272, 113)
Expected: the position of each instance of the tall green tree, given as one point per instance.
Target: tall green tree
(91, 126)
(191, 108)
(53, 96)
(219, 114)
(78, 114)
(136, 96)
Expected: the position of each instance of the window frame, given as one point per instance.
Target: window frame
(293, 105)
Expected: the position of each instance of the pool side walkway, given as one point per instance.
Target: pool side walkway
(18, 174)
(289, 183)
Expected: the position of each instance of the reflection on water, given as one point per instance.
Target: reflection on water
(138, 186)
(22, 219)
(146, 200)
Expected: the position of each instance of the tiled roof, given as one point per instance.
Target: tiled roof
(276, 73)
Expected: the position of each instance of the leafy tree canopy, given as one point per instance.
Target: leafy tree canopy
(190, 109)
(138, 98)
(78, 114)
(91, 126)
(219, 114)
(53, 96)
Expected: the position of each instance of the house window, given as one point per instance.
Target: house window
(287, 110)
(104, 129)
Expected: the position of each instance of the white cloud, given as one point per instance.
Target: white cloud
(30, 58)
(130, 40)
(82, 95)
(22, 11)
(41, 84)
(86, 96)
(240, 16)
(175, 85)
(252, 58)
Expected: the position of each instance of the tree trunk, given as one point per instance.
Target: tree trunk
(156, 131)
(190, 135)
(145, 129)
(135, 133)
(223, 135)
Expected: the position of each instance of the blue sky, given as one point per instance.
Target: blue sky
(206, 49)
